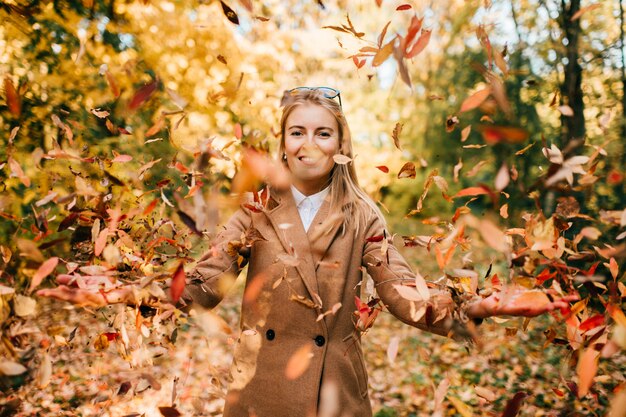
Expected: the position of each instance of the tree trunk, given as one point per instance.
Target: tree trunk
(572, 128)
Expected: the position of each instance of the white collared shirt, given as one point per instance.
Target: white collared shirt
(308, 206)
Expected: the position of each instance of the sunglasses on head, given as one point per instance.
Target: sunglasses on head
(327, 92)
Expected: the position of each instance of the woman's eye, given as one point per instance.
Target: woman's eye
(296, 133)
(325, 134)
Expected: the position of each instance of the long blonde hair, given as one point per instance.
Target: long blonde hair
(345, 192)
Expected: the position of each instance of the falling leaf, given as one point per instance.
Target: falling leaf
(566, 111)
(44, 373)
(383, 53)
(485, 393)
(169, 412)
(407, 171)
(613, 267)
(583, 10)
(463, 409)
(13, 99)
(502, 178)
(156, 127)
(143, 94)
(11, 368)
(495, 134)
(230, 13)
(592, 323)
(383, 168)
(396, 135)
(178, 283)
(341, 159)
(504, 211)
(465, 133)
(523, 150)
(16, 171)
(43, 271)
(299, 362)
(422, 287)
(471, 191)
(24, 306)
(122, 158)
(100, 242)
(475, 100)
(586, 370)
(100, 113)
(421, 43)
(404, 7)
(392, 349)
(112, 84)
(514, 405)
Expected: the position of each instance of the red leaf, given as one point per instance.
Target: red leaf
(375, 238)
(143, 94)
(403, 7)
(414, 27)
(421, 43)
(592, 322)
(383, 168)
(178, 283)
(150, 206)
(111, 336)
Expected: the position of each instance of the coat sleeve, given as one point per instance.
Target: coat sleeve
(389, 270)
(218, 268)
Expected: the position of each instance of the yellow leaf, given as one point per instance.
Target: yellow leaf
(461, 407)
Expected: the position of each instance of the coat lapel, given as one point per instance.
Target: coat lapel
(286, 222)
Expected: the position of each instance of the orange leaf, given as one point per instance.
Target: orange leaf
(178, 283)
(584, 10)
(586, 370)
(507, 134)
(12, 97)
(238, 131)
(156, 127)
(383, 53)
(383, 168)
(414, 27)
(471, 191)
(341, 159)
(613, 267)
(112, 84)
(43, 271)
(299, 362)
(475, 100)
(150, 206)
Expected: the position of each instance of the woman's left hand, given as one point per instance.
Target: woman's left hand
(518, 302)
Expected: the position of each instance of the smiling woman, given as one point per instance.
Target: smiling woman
(299, 350)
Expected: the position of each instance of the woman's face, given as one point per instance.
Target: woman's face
(311, 140)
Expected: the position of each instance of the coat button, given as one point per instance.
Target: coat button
(319, 340)
(270, 335)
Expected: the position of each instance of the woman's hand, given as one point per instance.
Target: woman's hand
(90, 291)
(517, 301)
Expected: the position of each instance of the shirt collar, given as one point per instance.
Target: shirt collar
(316, 199)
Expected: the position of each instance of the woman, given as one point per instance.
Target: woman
(300, 340)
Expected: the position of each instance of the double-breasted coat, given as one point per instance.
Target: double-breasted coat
(294, 276)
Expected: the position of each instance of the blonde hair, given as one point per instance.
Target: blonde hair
(345, 192)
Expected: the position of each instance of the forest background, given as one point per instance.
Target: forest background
(490, 132)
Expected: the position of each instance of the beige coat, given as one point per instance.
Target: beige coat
(291, 272)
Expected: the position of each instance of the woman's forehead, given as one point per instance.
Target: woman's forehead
(311, 114)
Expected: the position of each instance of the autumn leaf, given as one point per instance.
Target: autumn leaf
(566, 111)
(407, 171)
(178, 283)
(586, 370)
(420, 45)
(169, 412)
(112, 84)
(465, 133)
(230, 13)
(299, 362)
(475, 100)
(396, 135)
(13, 99)
(404, 7)
(584, 10)
(493, 134)
(514, 405)
(341, 159)
(143, 94)
(383, 53)
(43, 271)
(471, 191)
(383, 168)
(392, 349)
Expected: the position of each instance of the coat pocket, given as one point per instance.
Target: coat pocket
(358, 363)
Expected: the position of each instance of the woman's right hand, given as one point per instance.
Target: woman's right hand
(89, 291)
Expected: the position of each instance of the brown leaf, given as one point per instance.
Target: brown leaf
(179, 281)
(112, 84)
(514, 405)
(230, 13)
(299, 362)
(156, 127)
(13, 99)
(396, 135)
(169, 412)
(407, 171)
(143, 94)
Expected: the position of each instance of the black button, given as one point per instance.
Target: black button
(270, 335)
(319, 341)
